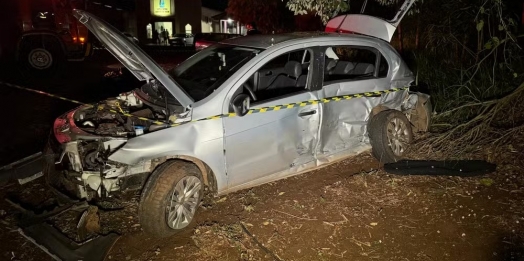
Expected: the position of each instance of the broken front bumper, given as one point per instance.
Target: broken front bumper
(58, 174)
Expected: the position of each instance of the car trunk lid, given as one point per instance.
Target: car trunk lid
(369, 25)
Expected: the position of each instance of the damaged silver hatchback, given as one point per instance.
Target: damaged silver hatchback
(238, 114)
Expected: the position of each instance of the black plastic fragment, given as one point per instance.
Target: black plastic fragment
(461, 168)
(60, 247)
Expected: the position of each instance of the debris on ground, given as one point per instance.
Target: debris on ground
(35, 228)
(89, 222)
(461, 168)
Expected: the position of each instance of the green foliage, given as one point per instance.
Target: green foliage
(470, 53)
(326, 9)
(480, 25)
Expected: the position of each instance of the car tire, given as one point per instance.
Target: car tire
(40, 57)
(163, 215)
(390, 134)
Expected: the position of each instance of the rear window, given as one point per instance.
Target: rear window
(343, 63)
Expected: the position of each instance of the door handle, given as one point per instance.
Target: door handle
(306, 113)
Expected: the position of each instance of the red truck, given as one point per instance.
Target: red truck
(41, 35)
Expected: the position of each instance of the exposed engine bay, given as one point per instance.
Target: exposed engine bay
(108, 118)
(85, 137)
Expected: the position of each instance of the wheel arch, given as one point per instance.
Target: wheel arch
(378, 109)
(52, 36)
(208, 175)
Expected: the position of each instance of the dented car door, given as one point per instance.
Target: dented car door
(352, 68)
(280, 133)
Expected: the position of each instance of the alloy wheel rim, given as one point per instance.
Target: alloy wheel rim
(183, 202)
(398, 136)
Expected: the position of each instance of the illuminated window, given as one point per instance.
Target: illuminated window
(189, 29)
(149, 30)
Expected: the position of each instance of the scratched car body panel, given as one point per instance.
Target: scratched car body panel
(248, 144)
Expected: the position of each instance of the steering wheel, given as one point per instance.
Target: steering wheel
(250, 90)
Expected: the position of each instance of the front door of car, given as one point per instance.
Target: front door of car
(280, 132)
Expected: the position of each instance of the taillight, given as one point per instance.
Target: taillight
(82, 39)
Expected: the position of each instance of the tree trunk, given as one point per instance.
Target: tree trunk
(400, 42)
(464, 46)
(417, 34)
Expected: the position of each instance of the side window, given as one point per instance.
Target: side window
(276, 63)
(345, 63)
(383, 68)
(281, 76)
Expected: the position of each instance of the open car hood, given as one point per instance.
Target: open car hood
(369, 25)
(131, 56)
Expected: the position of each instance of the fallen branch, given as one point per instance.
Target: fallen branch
(310, 219)
(258, 243)
(480, 130)
(442, 114)
(360, 244)
(337, 222)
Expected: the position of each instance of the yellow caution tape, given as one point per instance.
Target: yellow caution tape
(100, 107)
(229, 115)
(301, 104)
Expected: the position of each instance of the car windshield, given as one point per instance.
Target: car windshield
(203, 73)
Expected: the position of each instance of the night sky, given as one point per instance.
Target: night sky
(219, 5)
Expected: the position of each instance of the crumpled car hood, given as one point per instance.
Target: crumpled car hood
(131, 56)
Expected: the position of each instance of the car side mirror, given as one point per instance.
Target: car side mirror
(240, 104)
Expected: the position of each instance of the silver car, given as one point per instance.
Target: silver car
(244, 112)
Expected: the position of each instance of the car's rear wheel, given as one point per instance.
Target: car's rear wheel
(390, 135)
(170, 198)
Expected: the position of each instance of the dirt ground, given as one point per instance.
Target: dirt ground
(351, 210)
(347, 211)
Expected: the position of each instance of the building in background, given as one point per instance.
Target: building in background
(173, 16)
(209, 24)
(228, 25)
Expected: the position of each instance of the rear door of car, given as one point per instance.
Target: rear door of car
(349, 68)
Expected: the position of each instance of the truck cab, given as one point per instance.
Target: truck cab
(47, 35)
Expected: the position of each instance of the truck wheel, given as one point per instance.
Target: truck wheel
(40, 57)
(170, 198)
(390, 135)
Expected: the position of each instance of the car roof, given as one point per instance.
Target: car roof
(265, 41)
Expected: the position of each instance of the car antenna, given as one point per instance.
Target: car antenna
(338, 28)
(364, 6)
(361, 11)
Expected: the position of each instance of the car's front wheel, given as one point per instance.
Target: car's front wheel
(170, 198)
(390, 135)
